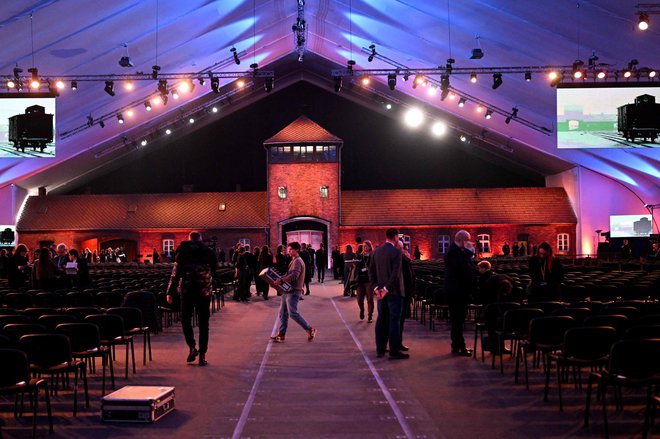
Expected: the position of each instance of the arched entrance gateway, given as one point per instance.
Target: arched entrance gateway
(309, 230)
(303, 185)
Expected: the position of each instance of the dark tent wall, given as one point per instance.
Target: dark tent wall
(379, 152)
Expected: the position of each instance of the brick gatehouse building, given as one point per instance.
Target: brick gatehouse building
(303, 202)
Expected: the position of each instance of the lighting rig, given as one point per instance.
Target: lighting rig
(299, 29)
(644, 10)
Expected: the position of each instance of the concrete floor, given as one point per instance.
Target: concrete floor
(333, 387)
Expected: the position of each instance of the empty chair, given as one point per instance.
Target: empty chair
(619, 322)
(593, 305)
(640, 332)
(632, 364)
(582, 347)
(8, 311)
(78, 299)
(547, 307)
(109, 299)
(515, 327)
(16, 330)
(15, 379)
(648, 320)
(50, 321)
(578, 314)
(111, 329)
(86, 345)
(81, 312)
(35, 313)
(50, 354)
(18, 300)
(48, 300)
(133, 325)
(490, 318)
(631, 312)
(147, 303)
(13, 318)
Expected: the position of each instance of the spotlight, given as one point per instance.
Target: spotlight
(627, 73)
(240, 83)
(235, 55)
(433, 90)
(269, 82)
(215, 84)
(143, 142)
(186, 86)
(461, 102)
(101, 123)
(154, 71)
(489, 114)
(391, 81)
(514, 112)
(11, 83)
(201, 80)
(463, 138)
(528, 76)
(365, 80)
(439, 129)
(507, 120)
(632, 67)
(147, 105)
(129, 113)
(125, 61)
(388, 106)
(90, 120)
(473, 78)
(175, 93)
(109, 88)
(477, 54)
(419, 80)
(373, 52)
(168, 131)
(497, 80)
(444, 86)
(162, 86)
(60, 85)
(74, 85)
(214, 109)
(34, 82)
(120, 118)
(643, 21)
(602, 74)
(129, 85)
(164, 99)
(406, 76)
(555, 78)
(479, 108)
(337, 80)
(578, 73)
(191, 120)
(652, 74)
(414, 117)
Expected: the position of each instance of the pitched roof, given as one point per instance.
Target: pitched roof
(303, 130)
(456, 206)
(144, 211)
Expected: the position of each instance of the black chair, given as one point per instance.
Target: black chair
(86, 345)
(648, 320)
(48, 300)
(489, 319)
(593, 305)
(111, 329)
(547, 307)
(13, 318)
(515, 327)
(79, 299)
(109, 299)
(632, 364)
(629, 311)
(15, 380)
(133, 325)
(81, 312)
(8, 312)
(546, 335)
(146, 301)
(17, 330)
(618, 322)
(50, 321)
(35, 313)
(642, 332)
(582, 347)
(578, 314)
(649, 414)
(50, 354)
(18, 300)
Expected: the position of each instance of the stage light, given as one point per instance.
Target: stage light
(74, 85)
(602, 74)
(391, 81)
(514, 112)
(154, 71)
(143, 142)
(365, 80)
(406, 76)
(214, 109)
(11, 84)
(489, 114)
(497, 80)
(414, 117)
(215, 84)
(269, 82)
(164, 99)
(168, 131)
(60, 85)
(235, 55)
(101, 123)
(528, 76)
(191, 120)
(461, 102)
(555, 78)
(433, 90)
(444, 86)
(185, 86)
(373, 52)
(439, 129)
(388, 106)
(463, 138)
(109, 88)
(473, 78)
(452, 96)
(652, 74)
(147, 105)
(240, 83)
(90, 120)
(175, 93)
(162, 86)
(627, 73)
(643, 21)
(419, 80)
(337, 81)
(578, 74)
(479, 108)
(130, 113)
(120, 118)
(129, 85)
(201, 81)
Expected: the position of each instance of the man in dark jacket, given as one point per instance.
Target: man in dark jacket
(460, 279)
(192, 277)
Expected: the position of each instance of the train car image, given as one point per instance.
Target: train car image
(640, 120)
(32, 129)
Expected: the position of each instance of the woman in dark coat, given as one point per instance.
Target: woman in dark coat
(547, 275)
(18, 267)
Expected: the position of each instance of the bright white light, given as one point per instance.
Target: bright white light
(168, 131)
(12, 84)
(240, 83)
(129, 85)
(129, 113)
(214, 109)
(35, 84)
(480, 108)
(60, 85)
(643, 25)
(144, 142)
(388, 106)
(463, 138)
(414, 117)
(191, 120)
(365, 80)
(553, 75)
(184, 86)
(175, 93)
(439, 129)
(157, 100)
(433, 91)
(652, 74)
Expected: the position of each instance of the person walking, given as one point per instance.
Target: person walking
(321, 259)
(265, 261)
(387, 285)
(289, 305)
(460, 281)
(364, 290)
(192, 278)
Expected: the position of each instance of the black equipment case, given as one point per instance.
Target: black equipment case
(143, 404)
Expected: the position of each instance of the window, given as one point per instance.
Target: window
(324, 191)
(244, 241)
(562, 242)
(168, 247)
(483, 242)
(443, 243)
(281, 192)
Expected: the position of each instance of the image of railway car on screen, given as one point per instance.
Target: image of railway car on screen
(33, 129)
(640, 120)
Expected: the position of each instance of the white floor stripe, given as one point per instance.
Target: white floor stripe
(388, 396)
(253, 393)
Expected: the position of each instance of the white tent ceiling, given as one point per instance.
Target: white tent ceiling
(73, 37)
